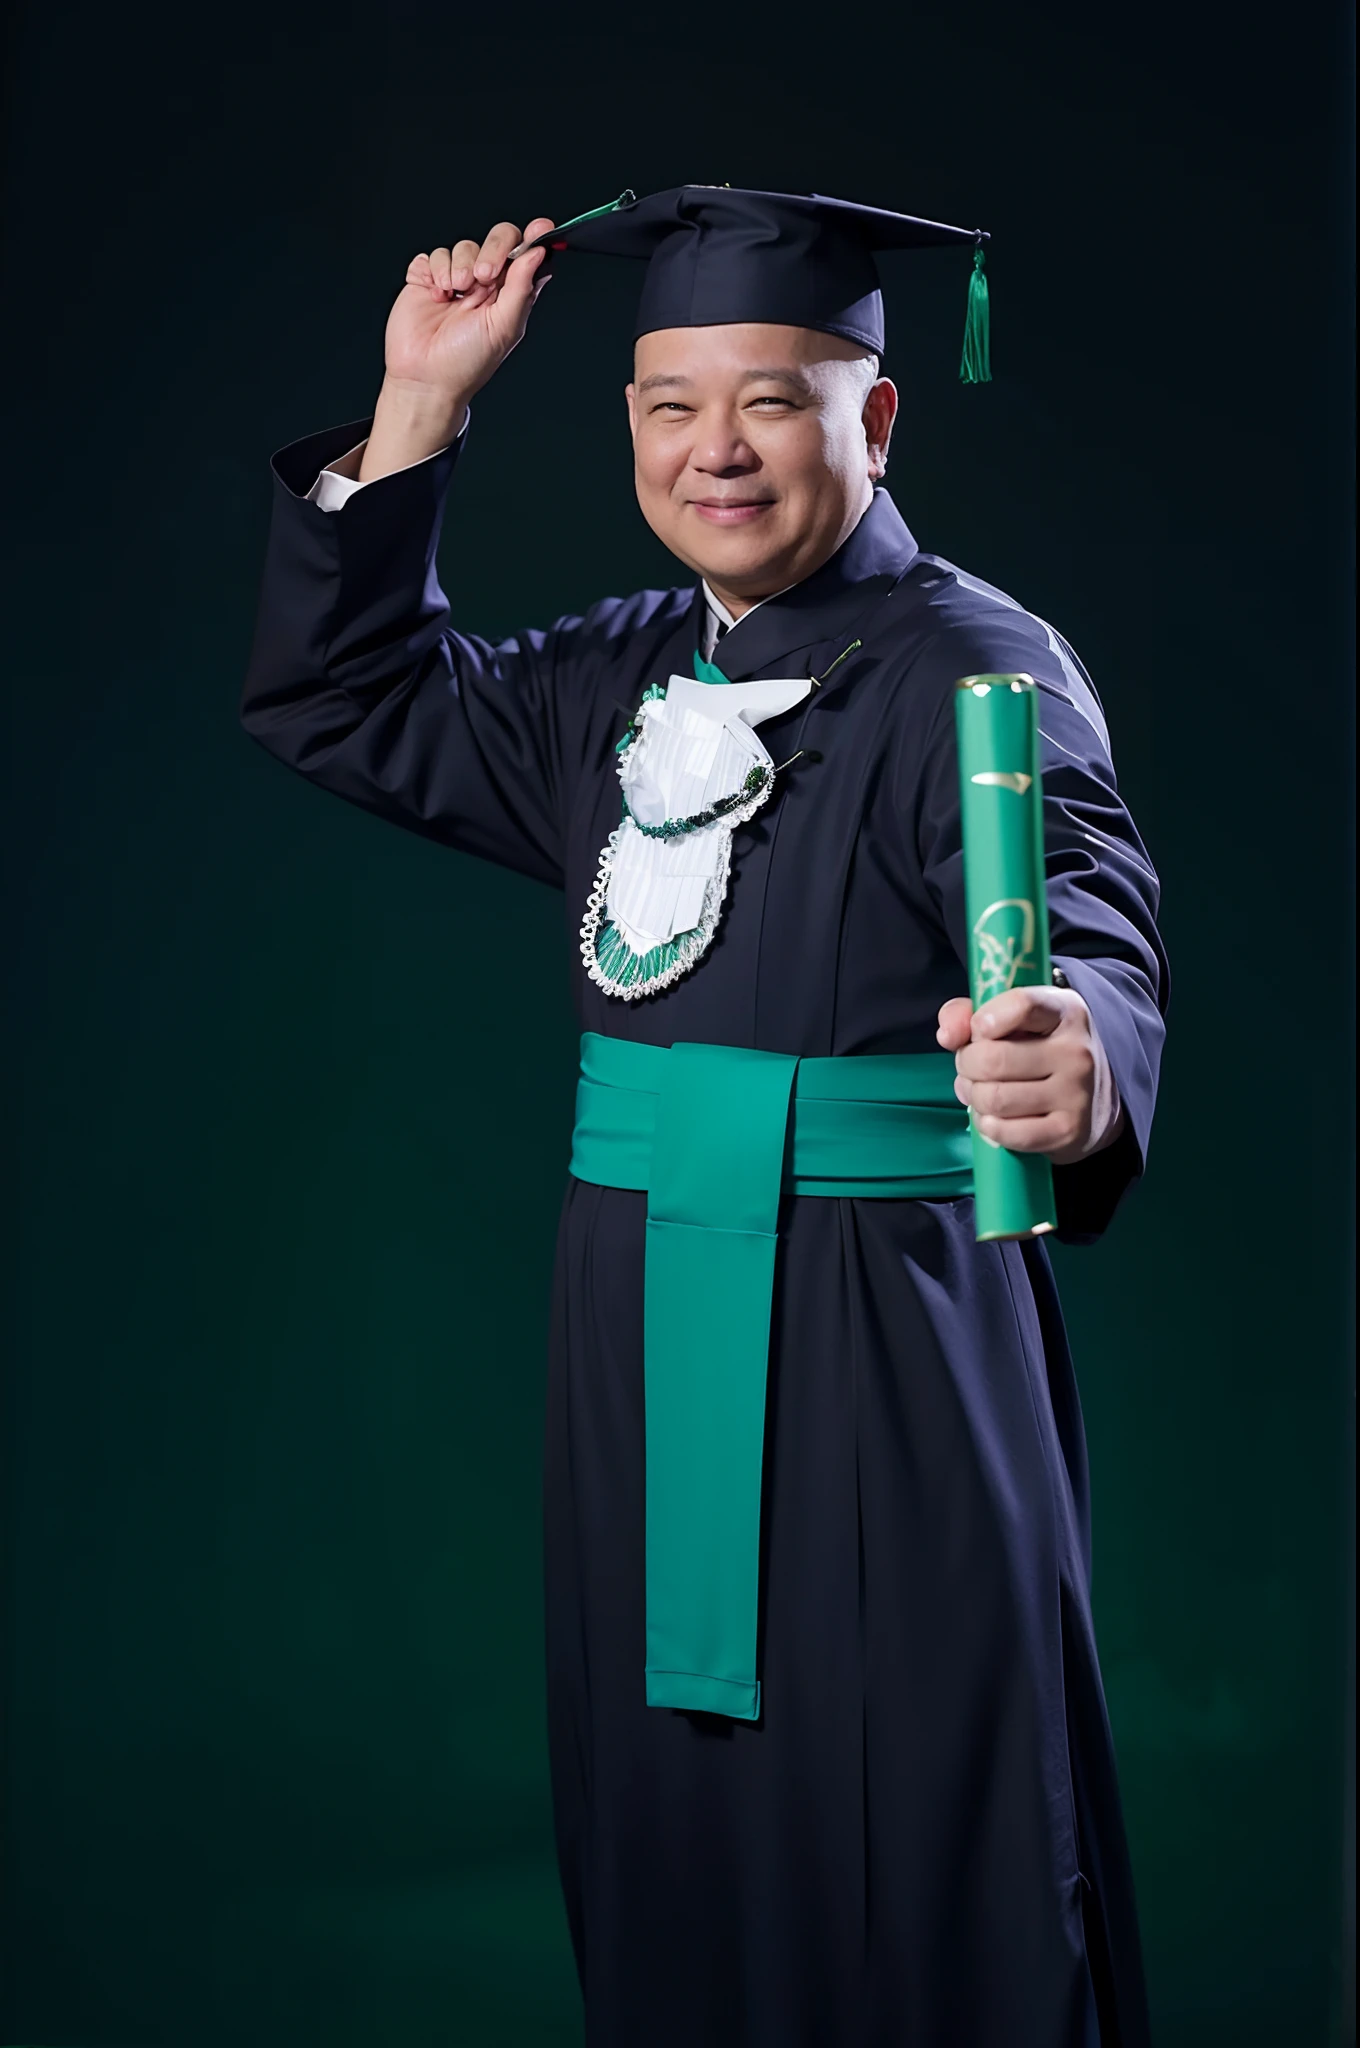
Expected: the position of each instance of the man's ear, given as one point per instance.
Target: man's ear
(880, 410)
(630, 393)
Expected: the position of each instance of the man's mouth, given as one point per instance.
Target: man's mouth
(731, 511)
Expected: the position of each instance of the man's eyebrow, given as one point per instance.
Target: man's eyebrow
(670, 379)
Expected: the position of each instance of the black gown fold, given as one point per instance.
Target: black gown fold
(920, 1841)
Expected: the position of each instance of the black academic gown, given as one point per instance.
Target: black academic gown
(919, 1844)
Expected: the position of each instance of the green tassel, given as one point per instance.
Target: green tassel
(976, 367)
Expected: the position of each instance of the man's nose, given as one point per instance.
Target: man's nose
(722, 450)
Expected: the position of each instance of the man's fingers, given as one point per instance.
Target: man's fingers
(1006, 1099)
(519, 286)
(504, 237)
(1005, 1059)
(954, 1023)
(470, 266)
(1028, 1134)
(1020, 1009)
(464, 255)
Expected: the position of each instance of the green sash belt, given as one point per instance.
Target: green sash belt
(706, 1131)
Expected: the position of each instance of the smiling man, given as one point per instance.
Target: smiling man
(831, 1766)
(753, 469)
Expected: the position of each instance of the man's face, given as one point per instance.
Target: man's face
(755, 448)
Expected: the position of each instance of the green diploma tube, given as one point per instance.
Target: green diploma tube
(1007, 909)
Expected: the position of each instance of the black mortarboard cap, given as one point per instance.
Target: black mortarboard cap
(718, 254)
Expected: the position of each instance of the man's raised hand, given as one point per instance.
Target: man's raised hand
(455, 320)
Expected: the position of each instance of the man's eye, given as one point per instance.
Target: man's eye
(780, 402)
(671, 405)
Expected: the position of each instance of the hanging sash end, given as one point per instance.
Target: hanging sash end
(694, 1694)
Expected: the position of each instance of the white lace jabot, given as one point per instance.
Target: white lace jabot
(658, 896)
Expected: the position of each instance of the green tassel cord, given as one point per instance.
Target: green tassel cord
(976, 367)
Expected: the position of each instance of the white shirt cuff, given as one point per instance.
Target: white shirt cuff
(332, 490)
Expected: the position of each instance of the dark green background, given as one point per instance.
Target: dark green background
(283, 1199)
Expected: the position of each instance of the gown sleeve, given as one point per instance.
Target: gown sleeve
(356, 680)
(1102, 889)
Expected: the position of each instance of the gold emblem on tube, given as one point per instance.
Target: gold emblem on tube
(1003, 778)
